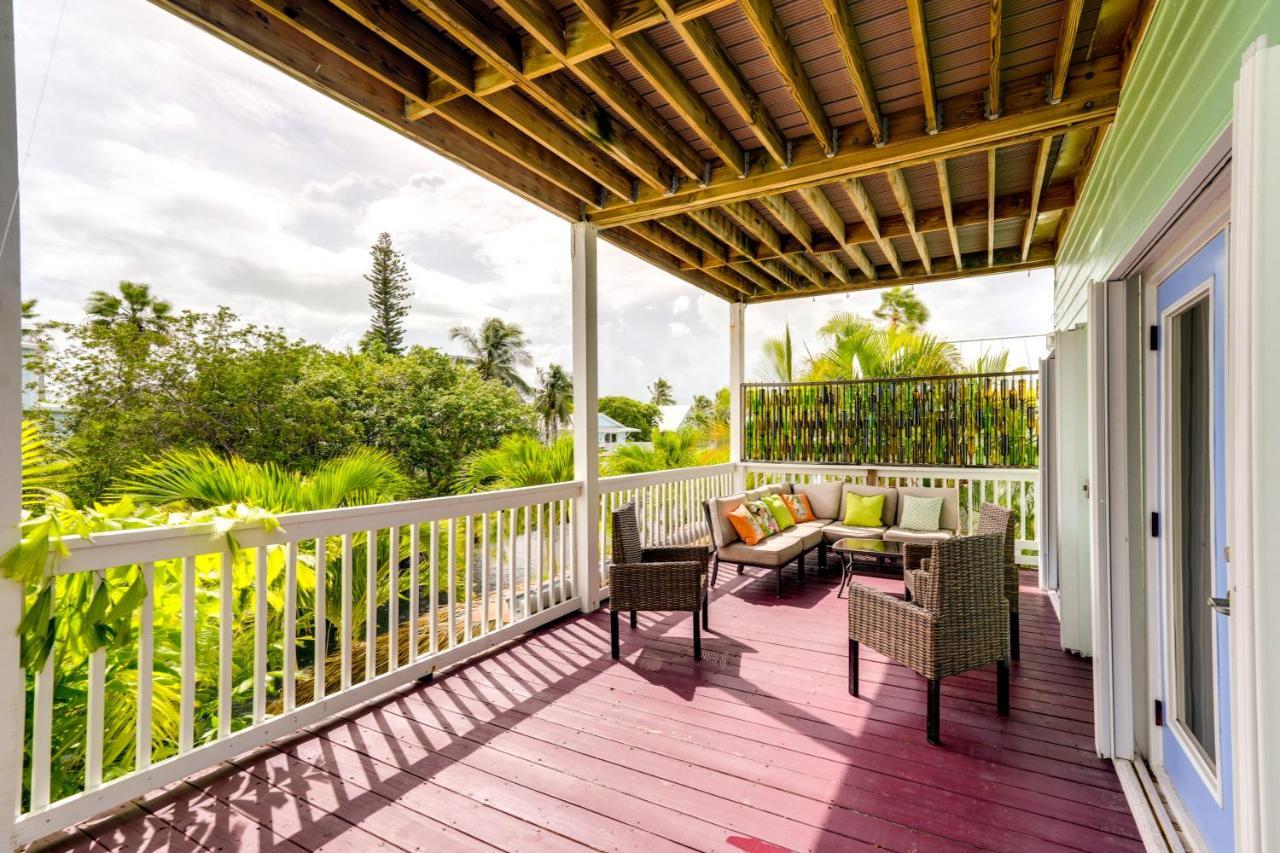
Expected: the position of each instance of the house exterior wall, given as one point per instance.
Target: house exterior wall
(1175, 104)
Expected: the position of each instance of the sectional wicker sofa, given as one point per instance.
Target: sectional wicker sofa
(790, 547)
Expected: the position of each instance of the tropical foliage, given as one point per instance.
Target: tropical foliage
(632, 413)
(518, 461)
(553, 399)
(496, 350)
(660, 393)
(901, 308)
(133, 306)
(389, 296)
(681, 449)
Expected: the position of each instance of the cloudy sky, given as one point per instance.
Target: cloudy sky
(162, 155)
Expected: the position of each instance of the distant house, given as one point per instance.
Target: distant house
(610, 432)
(674, 417)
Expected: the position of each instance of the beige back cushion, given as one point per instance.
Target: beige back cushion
(950, 518)
(758, 494)
(780, 489)
(722, 530)
(824, 498)
(888, 512)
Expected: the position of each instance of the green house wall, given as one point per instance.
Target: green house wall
(1176, 102)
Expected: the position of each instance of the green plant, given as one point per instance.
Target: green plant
(518, 461)
(553, 400)
(632, 413)
(389, 296)
(495, 350)
(660, 393)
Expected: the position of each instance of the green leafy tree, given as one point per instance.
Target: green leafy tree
(133, 306)
(495, 350)
(901, 308)
(632, 413)
(518, 461)
(553, 400)
(660, 393)
(389, 296)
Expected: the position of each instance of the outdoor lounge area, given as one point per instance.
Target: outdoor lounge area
(546, 744)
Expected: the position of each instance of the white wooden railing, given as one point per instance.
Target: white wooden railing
(1015, 488)
(240, 651)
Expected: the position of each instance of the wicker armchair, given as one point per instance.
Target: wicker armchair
(992, 518)
(957, 619)
(655, 578)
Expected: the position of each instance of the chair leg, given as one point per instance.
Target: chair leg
(613, 634)
(1014, 645)
(715, 569)
(853, 667)
(706, 612)
(822, 556)
(633, 619)
(933, 712)
(800, 569)
(697, 637)
(1002, 687)
(740, 567)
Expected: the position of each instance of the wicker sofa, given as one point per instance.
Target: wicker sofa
(790, 547)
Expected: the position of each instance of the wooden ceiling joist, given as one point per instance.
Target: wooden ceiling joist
(735, 195)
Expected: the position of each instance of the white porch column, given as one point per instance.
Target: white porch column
(11, 680)
(586, 453)
(737, 363)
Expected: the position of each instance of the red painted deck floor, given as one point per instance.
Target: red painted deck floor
(548, 745)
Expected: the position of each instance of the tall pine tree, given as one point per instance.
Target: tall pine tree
(388, 297)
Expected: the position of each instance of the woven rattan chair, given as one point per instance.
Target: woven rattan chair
(957, 619)
(993, 518)
(655, 578)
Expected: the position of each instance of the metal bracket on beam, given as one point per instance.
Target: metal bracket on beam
(675, 184)
(602, 197)
(834, 136)
(1048, 90)
(746, 164)
(786, 163)
(986, 105)
(635, 190)
(884, 130)
(706, 172)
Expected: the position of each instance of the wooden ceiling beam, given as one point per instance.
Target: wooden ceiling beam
(924, 64)
(735, 279)
(701, 38)
(792, 222)
(856, 64)
(1007, 260)
(944, 189)
(724, 229)
(1092, 102)
(755, 224)
(779, 272)
(764, 19)
(1037, 183)
(995, 52)
(1071, 11)
(805, 268)
(830, 218)
(991, 207)
(714, 252)
(766, 279)
(834, 266)
(861, 201)
(902, 194)
(669, 242)
(402, 28)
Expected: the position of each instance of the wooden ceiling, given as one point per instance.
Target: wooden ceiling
(758, 149)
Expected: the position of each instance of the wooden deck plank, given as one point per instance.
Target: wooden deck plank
(548, 744)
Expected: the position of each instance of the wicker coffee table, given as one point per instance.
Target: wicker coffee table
(874, 555)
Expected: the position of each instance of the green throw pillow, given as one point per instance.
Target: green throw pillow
(863, 510)
(780, 511)
(919, 513)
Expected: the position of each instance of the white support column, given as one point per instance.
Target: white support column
(737, 364)
(11, 678)
(586, 453)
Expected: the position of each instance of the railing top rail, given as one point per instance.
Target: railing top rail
(669, 475)
(125, 547)
(894, 379)
(949, 472)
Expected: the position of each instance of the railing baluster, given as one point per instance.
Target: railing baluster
(42, 723)
(226, 562)
(393, 598)
(187, 683)
(453, 582)
(290, 625)
(415, 560)
(484, 574)
(467, 601)
(434, 583)
(320, 648)
(371, 604)
(260, 634)
(94, 710)
(146, 669)
(511, 564)
(345, 629)
(528, 560)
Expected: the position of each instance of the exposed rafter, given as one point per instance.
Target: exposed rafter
(768, 26)
(944, 189)
(1066, 46)
(991, 207)
(830, 219)
(1037, 183)
(862, 203)
(924, 64)
(995, 52)
(851, 52)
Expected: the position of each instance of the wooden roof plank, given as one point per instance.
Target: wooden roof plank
(768, 26)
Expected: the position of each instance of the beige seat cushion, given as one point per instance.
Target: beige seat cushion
(921, 537)
(808, 535)
(774, 551)
(888, 513)
(832, 532)
(722, 530)
(950, 517)
(824, 498)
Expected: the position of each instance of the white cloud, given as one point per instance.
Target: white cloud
(219, 180)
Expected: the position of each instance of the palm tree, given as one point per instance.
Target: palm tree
(42, 468)
(778, 363)
(553, 400)
(660, 393)
(134, 306)
(989, 362)
(670, 450)
(200, 479)
(495, 350)
(860, 350)
(518, 461)
(901, 307)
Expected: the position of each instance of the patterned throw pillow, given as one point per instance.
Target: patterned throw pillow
(781, 512)
(764, 517)
(919, 513)
(744, 521)
(801, 511)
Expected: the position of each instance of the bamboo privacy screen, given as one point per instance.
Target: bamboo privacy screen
(987, 420)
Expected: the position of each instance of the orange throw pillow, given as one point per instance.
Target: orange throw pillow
(743, 521)
(800, 508)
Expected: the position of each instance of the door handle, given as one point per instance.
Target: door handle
(1221, 605)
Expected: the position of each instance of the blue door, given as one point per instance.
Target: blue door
(1196, 738)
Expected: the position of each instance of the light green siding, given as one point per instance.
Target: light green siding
(1175, 103)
